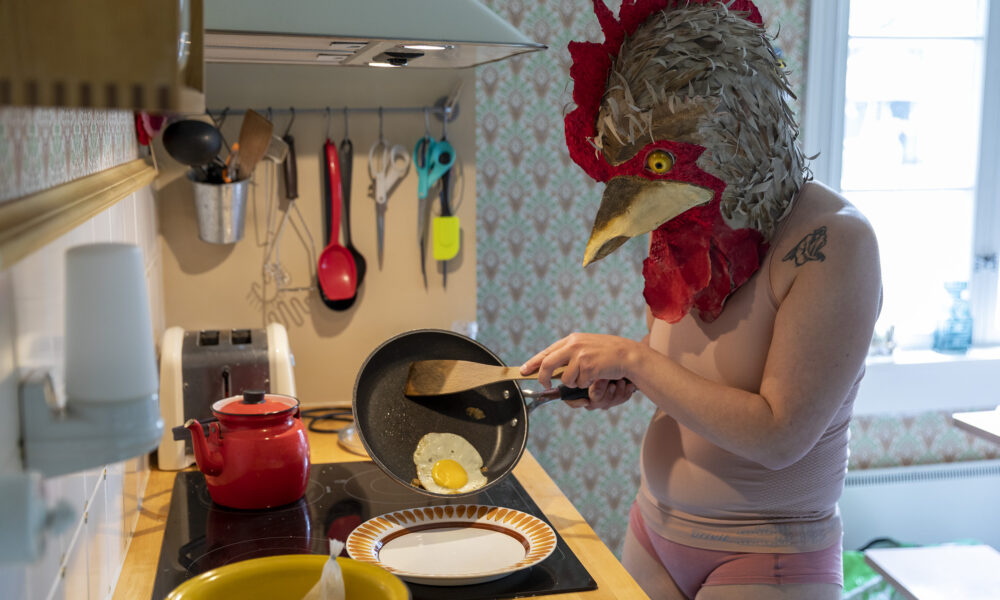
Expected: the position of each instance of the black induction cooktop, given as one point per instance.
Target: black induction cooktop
(201, 535)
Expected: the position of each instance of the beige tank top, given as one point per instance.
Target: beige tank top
(694, 492)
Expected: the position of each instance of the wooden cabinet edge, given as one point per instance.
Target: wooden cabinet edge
(30, 222)
(101, 54)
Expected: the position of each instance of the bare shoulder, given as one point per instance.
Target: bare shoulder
(826, 237)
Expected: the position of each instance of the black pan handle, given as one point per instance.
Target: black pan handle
(561, 393)
(564, 393)
(568, 393)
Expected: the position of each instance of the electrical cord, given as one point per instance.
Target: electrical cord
(316, 416)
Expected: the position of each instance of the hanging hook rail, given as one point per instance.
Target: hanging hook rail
(438, 111)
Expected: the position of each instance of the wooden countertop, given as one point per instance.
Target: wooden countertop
(139, 570)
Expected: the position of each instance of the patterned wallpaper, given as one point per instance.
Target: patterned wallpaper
(879, 441)
(44, 147)
(535, 208)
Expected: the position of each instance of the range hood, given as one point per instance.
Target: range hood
(382, 33)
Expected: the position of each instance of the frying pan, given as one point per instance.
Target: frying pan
(493, 418)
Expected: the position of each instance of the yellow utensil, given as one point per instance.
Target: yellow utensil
(445, 231)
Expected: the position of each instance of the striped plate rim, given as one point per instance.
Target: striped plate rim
(538, 539)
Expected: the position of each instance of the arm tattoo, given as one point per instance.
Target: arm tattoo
(808, 248)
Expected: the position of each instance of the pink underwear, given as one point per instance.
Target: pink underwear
(692, 567)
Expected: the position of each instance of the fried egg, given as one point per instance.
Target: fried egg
(448, 464)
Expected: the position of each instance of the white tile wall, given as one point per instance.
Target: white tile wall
(83, 563)
(9, 428)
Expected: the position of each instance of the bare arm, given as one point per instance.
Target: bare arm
(820, 340)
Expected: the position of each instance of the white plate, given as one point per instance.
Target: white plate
(452, 545)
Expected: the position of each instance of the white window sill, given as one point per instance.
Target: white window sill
(915, 381)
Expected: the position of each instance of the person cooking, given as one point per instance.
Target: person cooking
(762, 287)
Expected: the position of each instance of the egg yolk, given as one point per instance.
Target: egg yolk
(448, 473)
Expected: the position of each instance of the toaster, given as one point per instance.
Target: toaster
(200, 367)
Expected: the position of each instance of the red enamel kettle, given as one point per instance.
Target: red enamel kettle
(256, 455)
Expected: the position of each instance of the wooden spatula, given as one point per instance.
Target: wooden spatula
(436, 377)
(255, 137)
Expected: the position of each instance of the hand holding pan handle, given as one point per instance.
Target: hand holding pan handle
(545, 396)
(560, 393)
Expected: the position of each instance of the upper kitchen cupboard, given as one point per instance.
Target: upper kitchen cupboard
(102, 54)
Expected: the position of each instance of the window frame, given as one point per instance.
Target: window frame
(823, 137)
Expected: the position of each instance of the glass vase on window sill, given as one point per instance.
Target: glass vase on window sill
(954, 334)
(883, 343)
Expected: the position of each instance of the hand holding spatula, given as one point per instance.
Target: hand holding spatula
(438, 377)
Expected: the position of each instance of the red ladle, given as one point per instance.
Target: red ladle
(336, 271)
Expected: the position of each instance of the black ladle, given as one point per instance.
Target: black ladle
(346, 158)
(193, 143)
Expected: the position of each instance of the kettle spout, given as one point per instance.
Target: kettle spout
(207, 452)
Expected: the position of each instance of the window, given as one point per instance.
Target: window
(901, 104)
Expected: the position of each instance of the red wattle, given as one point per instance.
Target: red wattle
(693, 265)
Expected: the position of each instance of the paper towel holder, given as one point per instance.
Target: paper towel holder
(111, 409)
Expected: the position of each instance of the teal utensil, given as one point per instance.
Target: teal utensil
(432, 158)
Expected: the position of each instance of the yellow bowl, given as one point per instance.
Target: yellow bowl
(289, 576)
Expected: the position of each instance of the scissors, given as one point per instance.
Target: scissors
(387, 165)
(432, 158)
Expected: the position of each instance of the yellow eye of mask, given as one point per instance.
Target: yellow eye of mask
(659, 162)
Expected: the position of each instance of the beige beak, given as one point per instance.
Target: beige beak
(632, 206)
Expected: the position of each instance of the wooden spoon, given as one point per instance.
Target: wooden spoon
(436, 377)
(255, 137)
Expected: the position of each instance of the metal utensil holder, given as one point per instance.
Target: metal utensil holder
(221, 209)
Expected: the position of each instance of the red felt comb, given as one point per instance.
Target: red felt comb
(592, 64)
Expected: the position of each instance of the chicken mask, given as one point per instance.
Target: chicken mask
(682, 111)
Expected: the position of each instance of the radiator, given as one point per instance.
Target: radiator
(925, 504)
